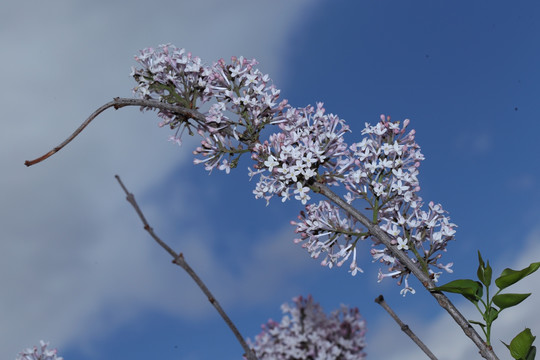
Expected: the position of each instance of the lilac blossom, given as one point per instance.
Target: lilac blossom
(171, 75)
(390, 189)
(39, 354)
(382, 171)
(321, 229)
(308, 148)
(306, 332)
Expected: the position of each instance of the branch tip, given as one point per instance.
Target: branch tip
(405, 328)
(118, 103)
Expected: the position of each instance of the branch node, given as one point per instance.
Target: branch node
(178, 259)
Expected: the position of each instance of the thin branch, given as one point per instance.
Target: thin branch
(179, 260)
(405, 328)
(485, 350)
(118, 103)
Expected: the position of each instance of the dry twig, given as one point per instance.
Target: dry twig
(118, 103)
(179, 260)
(405, 328)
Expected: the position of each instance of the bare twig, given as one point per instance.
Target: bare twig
(405, 328)
(485, 350)
(179, 260)
(118, 103)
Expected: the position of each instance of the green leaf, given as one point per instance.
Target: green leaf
(504, 301)
(471, 289)
(483, 272)
(490, 315)
(521, 346)
(532, 353)
(477, 323)
(509, 276)
(480, 260)
(487, 275)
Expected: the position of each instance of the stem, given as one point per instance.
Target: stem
(488, 321)
(481, 313)
(180, 261)
(485, 351)
(375, 218)
(405, 328)
(420, 259)
(118, 103)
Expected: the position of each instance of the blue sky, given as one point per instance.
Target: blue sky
(77, 269)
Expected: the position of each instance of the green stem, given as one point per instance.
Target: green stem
(420, 259)
(488, 320)
(375, 218)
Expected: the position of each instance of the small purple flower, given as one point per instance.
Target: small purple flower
(306, 332)
(39, 354)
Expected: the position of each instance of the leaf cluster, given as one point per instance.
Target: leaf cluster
(473, 290)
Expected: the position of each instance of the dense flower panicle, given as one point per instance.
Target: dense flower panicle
(310, 146)
(387, 166)
(39, 354)
(170, 75)
(306, 332)
(380, 170)
(321, 228)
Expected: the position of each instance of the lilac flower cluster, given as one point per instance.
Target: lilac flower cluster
(322, 227)
(387, 164)
(173, 76)
(309, 148)
(310, 145)
(306, 332)
(42, 354)
(382, 171)
(170, 75)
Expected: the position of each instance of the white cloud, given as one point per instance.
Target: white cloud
(71, 248)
